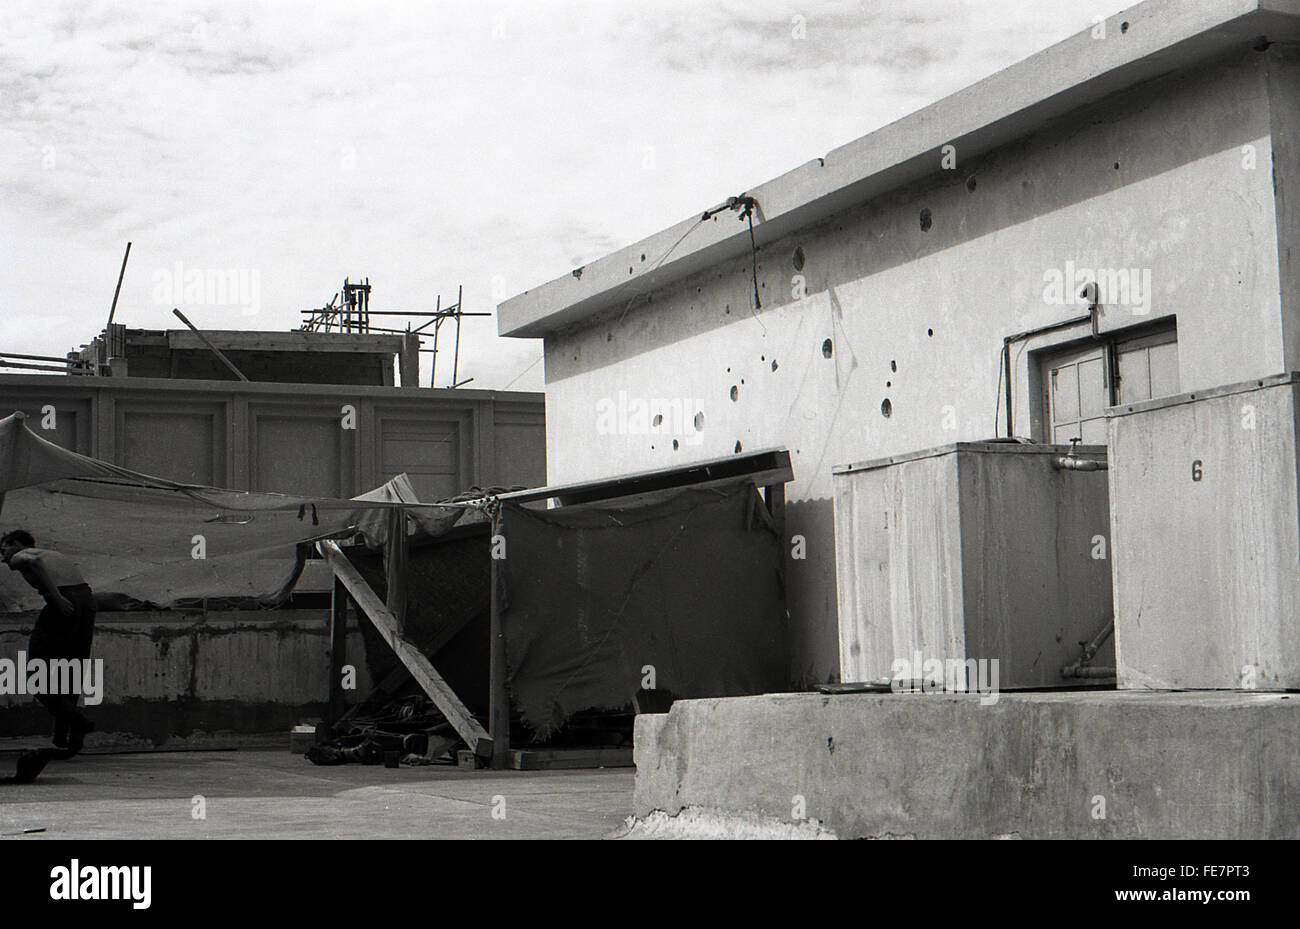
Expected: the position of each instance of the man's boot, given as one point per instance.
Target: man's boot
(77, 731)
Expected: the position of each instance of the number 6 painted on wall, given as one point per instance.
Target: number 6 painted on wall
(1196, 470)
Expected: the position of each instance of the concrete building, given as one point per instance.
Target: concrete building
(1109, 221)
(280, 357)
(174, 411)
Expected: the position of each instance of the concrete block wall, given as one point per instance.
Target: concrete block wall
(1031, 766)
(170, 674)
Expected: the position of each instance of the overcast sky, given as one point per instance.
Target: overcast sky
(425, 145)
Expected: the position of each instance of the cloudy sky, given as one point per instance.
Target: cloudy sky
(425, 145)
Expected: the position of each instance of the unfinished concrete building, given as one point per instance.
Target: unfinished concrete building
(1098, 243)
(317, 414)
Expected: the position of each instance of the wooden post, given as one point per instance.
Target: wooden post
(338, 650)
(499, 706)
(408, 360)
(395, 574)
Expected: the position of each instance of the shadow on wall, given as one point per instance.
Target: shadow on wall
(813, 647)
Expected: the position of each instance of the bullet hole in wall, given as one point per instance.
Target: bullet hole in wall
(927, 219)
(886, 408)
(738, 448)
(699, 421)
(1123, 27)
(609, 337)
(774, 365)
(827, 348)
(674, 445)
(929, 332)
(643, 257)
(798, 258)
(970, 183)
(893, 365)
(1117, 166)
(658, 420)
(889, 383)
(735, 393)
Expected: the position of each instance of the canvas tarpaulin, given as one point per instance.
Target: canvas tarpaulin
(596, 595)
(134, 534)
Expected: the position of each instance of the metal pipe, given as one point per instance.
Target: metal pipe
(1019, 336)
(1075, 670)
(35, 357)
(33, 367)
(117, 290)
(455, 360)
(1070, 463)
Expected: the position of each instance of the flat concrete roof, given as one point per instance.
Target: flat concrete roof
(271, 794)
(1141, 43)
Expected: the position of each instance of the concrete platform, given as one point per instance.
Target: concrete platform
(1206, 765)
(276, 795)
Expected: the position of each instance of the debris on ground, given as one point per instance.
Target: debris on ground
(698, 823)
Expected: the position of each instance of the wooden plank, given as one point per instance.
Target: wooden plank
(207, 342)
(499, 705)
(443, 697)
(559, 758)
(338, 650)
(765, 468)
(240, 340)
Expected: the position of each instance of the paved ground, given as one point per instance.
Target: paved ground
(273, 794)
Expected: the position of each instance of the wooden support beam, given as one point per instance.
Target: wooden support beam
(559, 758)
(206, 341)
(443, 697)
(338, 651)
(499, 705)
(396, 559)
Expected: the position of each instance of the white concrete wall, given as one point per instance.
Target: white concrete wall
(918, 317)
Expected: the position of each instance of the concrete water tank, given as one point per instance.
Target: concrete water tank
(983, 550)
(1207, 538)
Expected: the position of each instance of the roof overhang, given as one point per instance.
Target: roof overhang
(1161, 36)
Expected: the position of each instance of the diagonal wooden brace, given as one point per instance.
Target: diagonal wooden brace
(443, 697)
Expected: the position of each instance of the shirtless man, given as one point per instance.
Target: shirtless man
(63, 630)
